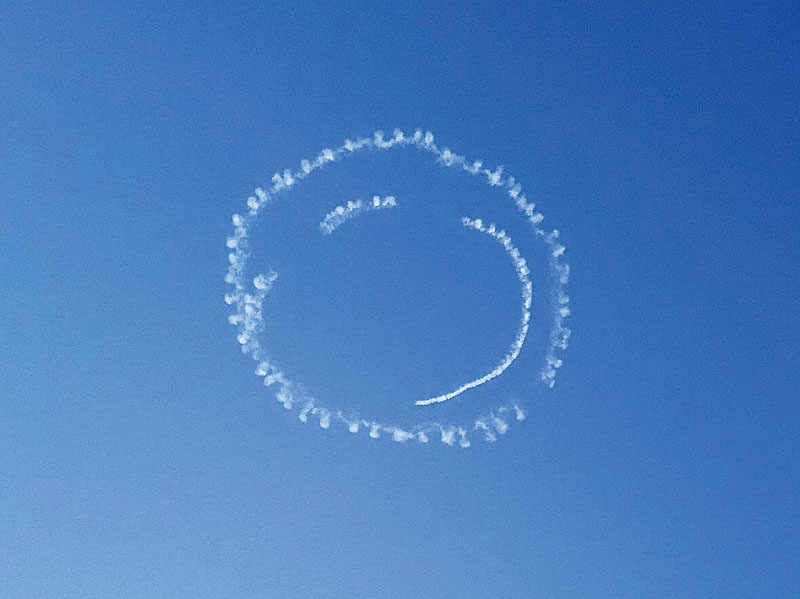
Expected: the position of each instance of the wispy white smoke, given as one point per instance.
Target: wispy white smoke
(352, 209)
(247, 297)
(495, 423)
(527, 297)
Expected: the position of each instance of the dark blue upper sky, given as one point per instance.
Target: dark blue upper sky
(139, 457)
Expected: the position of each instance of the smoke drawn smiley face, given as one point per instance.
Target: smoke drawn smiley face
(249, 291)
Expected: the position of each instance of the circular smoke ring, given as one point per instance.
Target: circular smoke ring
(247, 296)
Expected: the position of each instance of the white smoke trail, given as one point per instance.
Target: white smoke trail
(527, 297)
(340, 214)
(248, 302)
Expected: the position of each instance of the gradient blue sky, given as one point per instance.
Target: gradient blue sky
(139, 457)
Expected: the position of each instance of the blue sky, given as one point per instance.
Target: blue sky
(140, 457)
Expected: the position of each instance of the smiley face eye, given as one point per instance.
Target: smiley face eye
(248, 293)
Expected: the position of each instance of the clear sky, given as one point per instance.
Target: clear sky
(139, 455)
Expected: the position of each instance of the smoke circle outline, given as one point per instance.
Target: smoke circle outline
(248, 297)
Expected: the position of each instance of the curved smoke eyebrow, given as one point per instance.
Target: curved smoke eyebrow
(340, 214)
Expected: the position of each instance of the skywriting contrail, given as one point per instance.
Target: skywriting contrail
(527, 297)
(247, 296)
(340, 214)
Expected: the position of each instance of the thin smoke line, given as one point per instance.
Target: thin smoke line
(521, 267)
